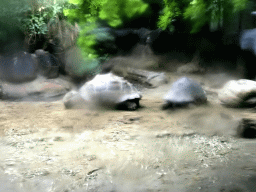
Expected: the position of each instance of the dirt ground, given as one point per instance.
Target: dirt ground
(45, 147)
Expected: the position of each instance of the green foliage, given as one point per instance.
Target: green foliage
(74, 13)
(35, 24)
(115, 12)
(31, 16)
(43, 13)
(170, 12)
(90, 60)
(239, 4)
(202, 12)
(199, 12)
(84, 12)
(86, 40)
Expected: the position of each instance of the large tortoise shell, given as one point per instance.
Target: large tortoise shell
(185, 90)
(109, 88)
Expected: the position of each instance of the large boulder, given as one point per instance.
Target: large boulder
(19, 67)
(240, 93)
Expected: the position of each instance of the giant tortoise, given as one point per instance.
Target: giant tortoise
(109, 90)
(183, 92)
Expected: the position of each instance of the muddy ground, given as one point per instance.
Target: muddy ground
(47, 148)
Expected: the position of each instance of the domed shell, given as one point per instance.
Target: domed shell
(108, 88)
(185, 90)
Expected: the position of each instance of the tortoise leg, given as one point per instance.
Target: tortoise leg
(167, 105)
(131, 105)
(137, 101)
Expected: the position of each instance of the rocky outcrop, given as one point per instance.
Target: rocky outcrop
(41, 89)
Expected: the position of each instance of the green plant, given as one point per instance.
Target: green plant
(84, 12)
(117, 12)
(35, 24)
(199, 12)
(169, 13)
(41, 15)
